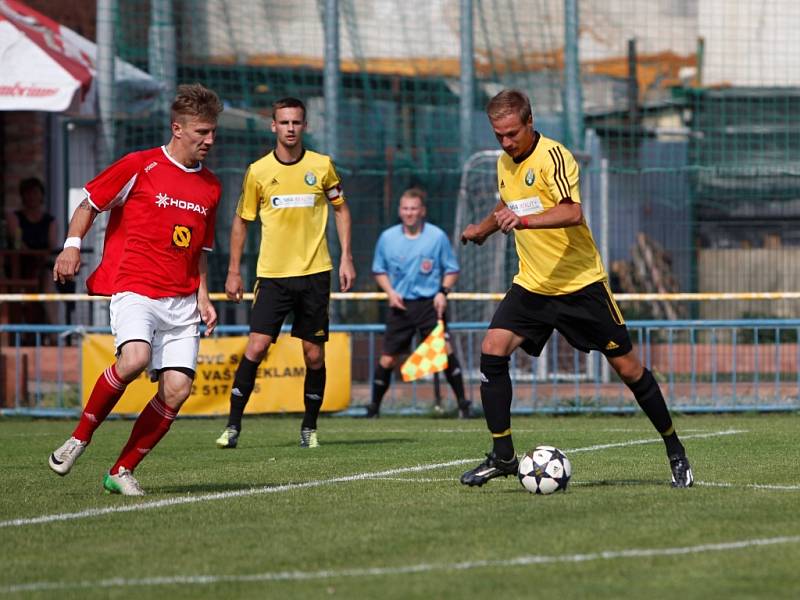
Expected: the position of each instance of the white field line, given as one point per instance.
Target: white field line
(695, 436)
(188, 499)
(480, 428)
(519, 561)
(273, 489)
(418, 479)
(755, 486)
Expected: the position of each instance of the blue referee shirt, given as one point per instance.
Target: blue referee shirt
(415, 266)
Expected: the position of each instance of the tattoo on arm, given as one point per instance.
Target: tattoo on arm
(86, 206)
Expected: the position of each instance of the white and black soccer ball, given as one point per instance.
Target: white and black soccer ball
(544, 470)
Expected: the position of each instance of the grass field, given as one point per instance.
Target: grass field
(377, 511)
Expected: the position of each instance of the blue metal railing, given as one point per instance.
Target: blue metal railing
(702, 365)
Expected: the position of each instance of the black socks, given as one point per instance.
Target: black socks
(243, 383)
(496, 397)
(381, 381)
(313, 392)
(455, 378)
(648, 395)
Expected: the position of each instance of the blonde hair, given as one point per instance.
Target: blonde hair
(415, 192)
(195, 100)
(510, 102)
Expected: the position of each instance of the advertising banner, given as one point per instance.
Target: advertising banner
(279, 383)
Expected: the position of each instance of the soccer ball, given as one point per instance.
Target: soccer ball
(544, 470)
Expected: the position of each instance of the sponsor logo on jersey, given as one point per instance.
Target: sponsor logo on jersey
(149, 167)
(426, 266)
(310, 178)
(502, 184)
(166, 201)
(181, 236)
(529, 177)
(293, 201)
(526, 206)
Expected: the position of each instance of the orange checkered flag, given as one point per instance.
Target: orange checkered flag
(429, 357)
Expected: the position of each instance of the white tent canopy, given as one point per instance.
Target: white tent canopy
(45, 66)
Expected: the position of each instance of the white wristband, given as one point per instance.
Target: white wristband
(72, 242)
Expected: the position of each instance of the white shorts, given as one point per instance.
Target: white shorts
(170, 325)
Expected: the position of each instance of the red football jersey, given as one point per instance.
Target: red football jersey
(162, 217)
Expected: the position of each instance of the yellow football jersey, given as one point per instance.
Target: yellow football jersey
(292, 202)
(551, 261)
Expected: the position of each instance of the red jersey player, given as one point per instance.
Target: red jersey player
(162, 204)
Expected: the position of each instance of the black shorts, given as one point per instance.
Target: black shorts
(401, 325)
(307, 296)
(589, 319)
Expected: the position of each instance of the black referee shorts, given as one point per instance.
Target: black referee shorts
(589, 319)
(401, 325)
(307, 296)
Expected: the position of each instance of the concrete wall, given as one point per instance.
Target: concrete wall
(763, 270)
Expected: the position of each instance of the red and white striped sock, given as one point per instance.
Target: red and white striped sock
(107, 391)
(152, 425)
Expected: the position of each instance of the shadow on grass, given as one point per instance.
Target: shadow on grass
(597, 484)
(366, 442)
(204, 488)
(620, 482)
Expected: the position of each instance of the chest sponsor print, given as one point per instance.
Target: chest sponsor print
(166, 201)
(526, 206)
(293, 201)
(181, 236)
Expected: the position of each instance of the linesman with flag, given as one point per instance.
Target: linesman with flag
(415, 265)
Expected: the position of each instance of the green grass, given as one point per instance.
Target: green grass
(426, 536)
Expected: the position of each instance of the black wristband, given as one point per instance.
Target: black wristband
(444, 290)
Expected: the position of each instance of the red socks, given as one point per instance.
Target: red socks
(152, 425)
(104, 397)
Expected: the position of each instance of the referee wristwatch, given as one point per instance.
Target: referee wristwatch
(445, 290)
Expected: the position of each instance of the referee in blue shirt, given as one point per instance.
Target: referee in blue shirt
(415, 265)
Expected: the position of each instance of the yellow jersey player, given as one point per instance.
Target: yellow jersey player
(561, 285)
(289, 190)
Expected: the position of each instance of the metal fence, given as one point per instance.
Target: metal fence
(703, 366)
(690, 111)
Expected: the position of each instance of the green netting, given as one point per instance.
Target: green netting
(691, 114)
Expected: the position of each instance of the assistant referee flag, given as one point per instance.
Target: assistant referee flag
(429, 357)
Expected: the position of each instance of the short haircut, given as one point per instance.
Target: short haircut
(415, 192)
(195, 100)
(510, 102)
(288, 102)
(29, 184)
